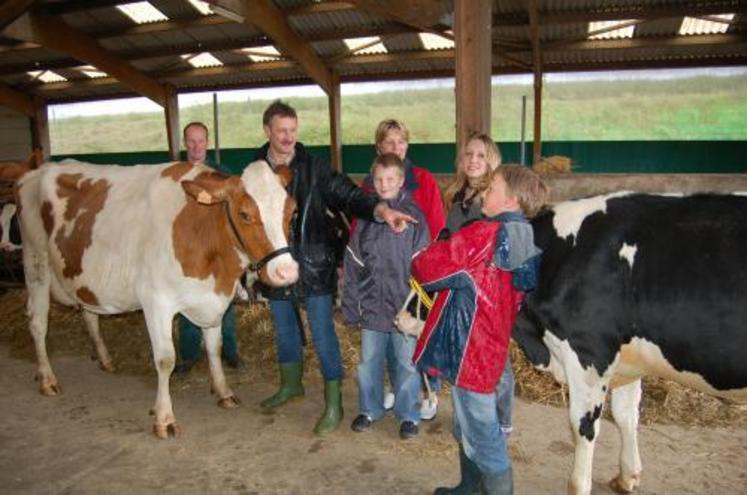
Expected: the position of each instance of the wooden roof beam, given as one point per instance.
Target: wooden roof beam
(264, 15)
(10, 10)
(54, 34)
(15, 100)
(422, 15)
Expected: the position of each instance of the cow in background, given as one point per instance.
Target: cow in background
(12, 170)
(10, 234)
(633, 285)
(162, 238)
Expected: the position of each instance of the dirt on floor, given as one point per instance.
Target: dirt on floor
(95, 438)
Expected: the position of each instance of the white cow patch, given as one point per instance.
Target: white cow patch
(6, 217)
(627, 252)
(570, 215)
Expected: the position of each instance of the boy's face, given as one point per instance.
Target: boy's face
(387, 181)
(496, 198)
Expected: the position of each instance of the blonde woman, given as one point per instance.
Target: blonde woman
(477, 160)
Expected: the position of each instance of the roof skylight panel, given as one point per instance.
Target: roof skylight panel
(46, 76)
(205, 59)
(694, 25)
(435, 42)
(366, 45)
(202, 7)
(262, 53)
(92, 72)
(605, 30)
(142, 12)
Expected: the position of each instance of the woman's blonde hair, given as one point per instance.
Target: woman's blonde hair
(388, 125)
(492, 156)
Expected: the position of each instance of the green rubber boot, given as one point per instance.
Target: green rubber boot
(332, 415)
(290, 386)
(502, 484)
(471, 478)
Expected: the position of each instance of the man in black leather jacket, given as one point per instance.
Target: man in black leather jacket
(316, 188)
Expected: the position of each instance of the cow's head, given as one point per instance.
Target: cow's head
(259, 212)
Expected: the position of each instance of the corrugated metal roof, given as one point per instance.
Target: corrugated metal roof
(156, 49)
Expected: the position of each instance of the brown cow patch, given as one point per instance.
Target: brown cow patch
(47, 217)
(88, 297)
(203, 245)
(177, 171)
(85, 199)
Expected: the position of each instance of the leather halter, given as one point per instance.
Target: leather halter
(254, 267)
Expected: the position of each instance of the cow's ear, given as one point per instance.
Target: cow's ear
(204, 193)
(285, 174)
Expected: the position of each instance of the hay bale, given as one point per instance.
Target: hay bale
(553, 165)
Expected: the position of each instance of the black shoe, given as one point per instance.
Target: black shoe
(361, 423)
(234, 362)
(184, 367)
(408, 429)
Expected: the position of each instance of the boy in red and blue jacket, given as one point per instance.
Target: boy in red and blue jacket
(481, 273)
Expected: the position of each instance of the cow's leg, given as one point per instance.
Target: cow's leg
(37, 275)
(587, 391)
(624, 404)
(102, 353)
(213, 341)
(159, 323)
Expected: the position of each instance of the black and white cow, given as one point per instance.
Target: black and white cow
(634, 285)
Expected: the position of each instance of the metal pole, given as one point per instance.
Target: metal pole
(523, 129)
(216, 128)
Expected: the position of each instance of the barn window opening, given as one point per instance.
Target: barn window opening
(205, 59)
(608, 30)
(715, 24)
(46, 76)
(435, 42)
(367, 45)
(262, 53)
(202, 7)
(142, 12)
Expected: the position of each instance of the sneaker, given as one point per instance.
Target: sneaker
(361, 423)
(429, 408)
(408, 429)
(388, 401)
(234, 362)
(506, 430)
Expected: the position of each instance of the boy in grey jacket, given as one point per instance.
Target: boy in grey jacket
(375, 286)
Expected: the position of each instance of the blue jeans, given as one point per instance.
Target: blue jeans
(190, 337)
(476, 428)
(391, 366)
(375, 347)
(288, 334)
(505, 393)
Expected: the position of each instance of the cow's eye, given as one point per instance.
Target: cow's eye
(245, 217)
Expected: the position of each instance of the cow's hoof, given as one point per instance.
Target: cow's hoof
(106, 366)
(230, 402)
(618, 485)
(50, 389)
(164, 432)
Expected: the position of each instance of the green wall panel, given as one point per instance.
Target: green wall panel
(588, 157)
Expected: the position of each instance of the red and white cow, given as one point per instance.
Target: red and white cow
(162, 238)
(9, 233)
(633, 285)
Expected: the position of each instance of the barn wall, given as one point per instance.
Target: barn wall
(588, 157)
(15, 135)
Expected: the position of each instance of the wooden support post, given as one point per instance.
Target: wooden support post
(473, 66)
(537, 69)
(173, 132)
(40, 128)
(335, 127)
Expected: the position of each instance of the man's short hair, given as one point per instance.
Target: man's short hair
(195, 124)
(524, 183)
(280, 109)
(388, 160)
